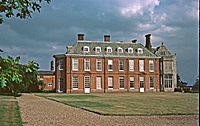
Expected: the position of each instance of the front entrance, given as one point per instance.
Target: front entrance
(141, 84)
(87, 84)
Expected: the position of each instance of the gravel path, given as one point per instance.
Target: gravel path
(37, 111)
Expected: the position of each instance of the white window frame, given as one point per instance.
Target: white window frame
(110, 82)
(86, 47)
(85, 64)
(150, 82)
(97, 65)
(85, 81)
(120, 80)
(75, 64)
(99, 83)
(110, 62)
(118, 50)
(142, 81)
(109, 48)
(96, 48)
(141, 66)
(130, 50)
(74, 82)
(61, 62)
(131, 65)
(50, 84)
(121, 64)
(151, 65)
(132, 79)
(140, 51)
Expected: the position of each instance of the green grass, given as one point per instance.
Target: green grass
(132, 103)
(9, 111)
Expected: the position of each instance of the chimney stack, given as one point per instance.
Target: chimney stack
(52, 65)
(106, 38)
(134, 41)
(80, 37)
(148, 42)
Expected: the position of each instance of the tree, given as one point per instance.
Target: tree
(180, 83)
(19, 8)
(15, 76)
(196, 86)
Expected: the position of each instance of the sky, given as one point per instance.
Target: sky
(174, 22)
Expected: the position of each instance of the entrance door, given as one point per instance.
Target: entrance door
(141, 84)
(87, 84)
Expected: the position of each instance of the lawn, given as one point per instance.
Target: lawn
(132, 103)
(9, 111)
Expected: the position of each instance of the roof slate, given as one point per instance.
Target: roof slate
(77, 48)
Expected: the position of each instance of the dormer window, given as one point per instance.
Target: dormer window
(130, 50)
(98, 49)
(140, 51)
(86, 49)
(109, 49)
(119, 50)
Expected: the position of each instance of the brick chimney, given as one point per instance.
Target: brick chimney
(148, 42)
(80, 37)
(52, 65)
(106, 38)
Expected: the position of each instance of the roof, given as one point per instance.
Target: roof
(77, 49)
(162, 50)
(45, 72)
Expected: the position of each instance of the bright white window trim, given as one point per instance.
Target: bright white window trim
(87, 64)
(142, 82)
(121, 65)
(151, 66)
(98, 65)
(132, 80)
(131, 65)
(86, 49)
(87, 81)
(151, 80)
(98, 82)
(121, 82)
(110, 82)
(61, 65)
(141, 65)
(130, 50)
(110, 63)
(97, 49)
(75, 64)
(109, 50)
(140, 51)
(50, 84)
(75, 83)
(119, 50)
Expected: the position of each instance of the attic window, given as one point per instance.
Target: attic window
(130, 50)
(98, 49)
(119, 50)
(109, 49)
(86, 49)
(140, 51)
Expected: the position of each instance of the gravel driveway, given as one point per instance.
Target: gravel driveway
(37, 111)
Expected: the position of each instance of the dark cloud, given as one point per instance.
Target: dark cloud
(47, 33)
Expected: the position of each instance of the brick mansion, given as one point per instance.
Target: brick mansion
(106, 66)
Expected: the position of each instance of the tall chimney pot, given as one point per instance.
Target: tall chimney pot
(52, 65)
(106, 38)
(80, 37)
(148, 42)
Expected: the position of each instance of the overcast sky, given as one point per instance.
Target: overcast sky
(174, 22)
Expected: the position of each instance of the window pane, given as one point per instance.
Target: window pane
(121, 82)
(75, 64)
(110, 65)
(98, 65)
(98, 82)
(75, 82)
(121, 65)
(132, 81)
(141, 65)
(87, 64)
(87, 82)
(151, 82)
(141, 82)
(131, 65)
(151, 65)
(110, 82)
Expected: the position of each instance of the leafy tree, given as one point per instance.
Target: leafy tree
(19, 8)
(196, 86)
(180, 83)
(15, 76)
